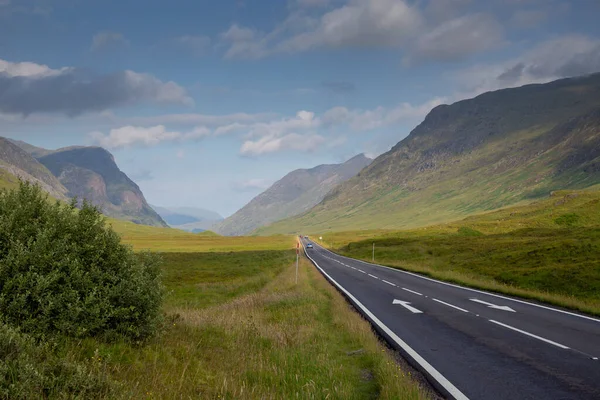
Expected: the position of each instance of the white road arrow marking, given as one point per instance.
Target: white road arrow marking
(407, 305)
(490, 305)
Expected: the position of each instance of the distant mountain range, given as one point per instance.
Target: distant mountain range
(82, 172)
(188, 218)
(295, 193)
(475, 155)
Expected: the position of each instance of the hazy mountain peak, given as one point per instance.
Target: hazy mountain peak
(293, 194)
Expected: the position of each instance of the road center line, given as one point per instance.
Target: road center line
(360, 270)
(450, 305)
(530, 334)
(389, 283)
(373, 276)
(412, 291)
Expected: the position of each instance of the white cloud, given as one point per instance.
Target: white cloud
(433, 33)
(180, 154)
(364, 120)
(367, 23)
(237, 119)
(305, 131)
(29, 88)
(132, 135)
(108, 39)
(128, 136)
(303, 120)
(562, 57)
(457, 38)
(28, 69)
(272, 144)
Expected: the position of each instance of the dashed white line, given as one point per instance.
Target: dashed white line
(389, 283)
(373, 276)
(530, 334)
(412, 291)
(450, 305)
(360, 270)
(435, 374)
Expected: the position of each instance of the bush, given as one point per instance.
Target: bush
(567, 220)
(31, 371)
(63, 270)
(466, 231)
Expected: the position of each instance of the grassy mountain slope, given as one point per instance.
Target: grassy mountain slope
(91, 173)
(17, 163)
(497, 149)
(293, 194)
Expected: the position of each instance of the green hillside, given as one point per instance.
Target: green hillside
(498, 149)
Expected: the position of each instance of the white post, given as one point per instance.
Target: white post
(373, 251)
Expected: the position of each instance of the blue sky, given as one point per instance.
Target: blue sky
(206, 103)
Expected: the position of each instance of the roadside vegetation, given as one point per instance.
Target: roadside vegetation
(83, 316)
(548, 250)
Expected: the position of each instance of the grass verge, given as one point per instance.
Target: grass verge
(240, 328)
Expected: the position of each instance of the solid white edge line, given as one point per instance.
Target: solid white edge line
(434, 373)
(412, 291)
(530, 334)
(389, 283)
(469, 289)
(450, 305)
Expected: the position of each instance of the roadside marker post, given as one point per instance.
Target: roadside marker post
(373, 251)
(297, 258)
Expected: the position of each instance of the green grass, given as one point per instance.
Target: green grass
(548, 250)
(143, 237)
(240, 328)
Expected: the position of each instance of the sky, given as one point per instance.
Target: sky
(207, 103)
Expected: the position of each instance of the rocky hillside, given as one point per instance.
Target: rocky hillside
(480, 154)
(295, 193)
(92, 173)
(82, 172)
(16, 163)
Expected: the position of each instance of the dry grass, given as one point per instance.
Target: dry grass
(282, 341)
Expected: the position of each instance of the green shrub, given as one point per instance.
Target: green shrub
(63, 270)
(31, 371)
(466, 231)
(567, 220)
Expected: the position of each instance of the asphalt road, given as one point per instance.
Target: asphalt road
(472, 344)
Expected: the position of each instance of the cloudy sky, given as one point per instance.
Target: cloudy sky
(205, 103)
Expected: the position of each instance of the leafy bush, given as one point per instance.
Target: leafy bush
(466, 231)
(31, 371)
(567, 220)
(63, 271)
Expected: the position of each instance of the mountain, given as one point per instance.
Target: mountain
(293, 194)
(16, 163)
(188, 218)
(83, 172)
(494, 150)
